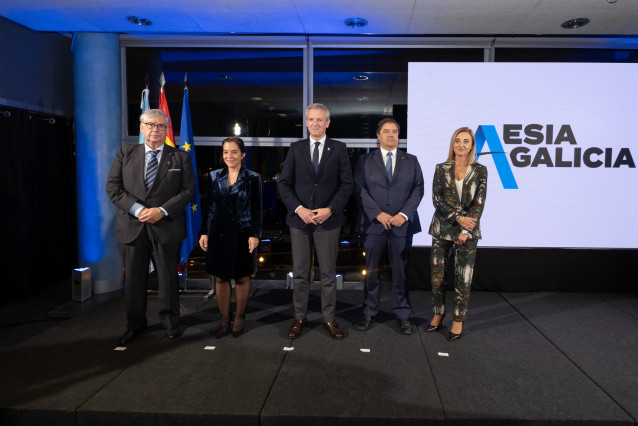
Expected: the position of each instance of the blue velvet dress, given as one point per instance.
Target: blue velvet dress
(234, 215)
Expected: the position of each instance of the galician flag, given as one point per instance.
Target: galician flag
(193, 210)
(144, 106)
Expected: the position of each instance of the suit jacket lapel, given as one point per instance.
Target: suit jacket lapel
(327, 150)
(305, 154)
(470, 176)
(379, 160)
(224, 191)
(398, 164)
(138, 159)
(451, 178)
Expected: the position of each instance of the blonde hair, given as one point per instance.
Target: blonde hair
(472, 155)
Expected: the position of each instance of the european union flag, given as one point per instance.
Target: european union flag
(194, 209)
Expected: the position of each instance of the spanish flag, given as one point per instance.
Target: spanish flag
(163, 105)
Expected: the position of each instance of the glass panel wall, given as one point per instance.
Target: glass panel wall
(260, 89)
(363, 86)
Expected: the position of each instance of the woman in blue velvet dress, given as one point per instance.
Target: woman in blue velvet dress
(232, 231)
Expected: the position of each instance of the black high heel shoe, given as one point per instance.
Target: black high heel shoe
(453, 336)
(432, 328)
(223, 327)
(238, 320)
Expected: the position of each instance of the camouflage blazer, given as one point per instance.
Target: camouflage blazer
(446, 200)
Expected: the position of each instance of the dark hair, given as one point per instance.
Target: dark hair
(240, 144)
(385, 121)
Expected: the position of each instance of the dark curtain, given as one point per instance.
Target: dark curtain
(39, 233)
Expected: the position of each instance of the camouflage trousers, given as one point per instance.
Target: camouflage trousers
(464, 256)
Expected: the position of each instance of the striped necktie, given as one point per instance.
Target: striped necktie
(151, 170)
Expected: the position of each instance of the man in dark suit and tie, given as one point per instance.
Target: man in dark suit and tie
(315, 184)
(151, 185)
(389, 188)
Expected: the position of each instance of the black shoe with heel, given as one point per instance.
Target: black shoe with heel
(238, 326)
(223, 327)
(453, 336)
(432, 328)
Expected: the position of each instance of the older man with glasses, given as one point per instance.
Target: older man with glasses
(151, 185)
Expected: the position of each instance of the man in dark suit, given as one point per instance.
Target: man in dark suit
(151, 185)
(315, 184)
(389, 188)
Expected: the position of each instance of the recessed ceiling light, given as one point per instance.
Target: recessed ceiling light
(575, 23)
(363, 99)
(282, 115)
(224, 77)
(256, 99)
(139, 21)
(360, 77)
(356, 22)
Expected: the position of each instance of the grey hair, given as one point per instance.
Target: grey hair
(150, 113)
(321, 107)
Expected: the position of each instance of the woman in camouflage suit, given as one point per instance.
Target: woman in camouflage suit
(458, 193)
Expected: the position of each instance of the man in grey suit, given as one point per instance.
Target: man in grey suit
(389, 188)
(315, 184)
(151, 185)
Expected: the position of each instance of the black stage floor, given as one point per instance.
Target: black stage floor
(525, 358)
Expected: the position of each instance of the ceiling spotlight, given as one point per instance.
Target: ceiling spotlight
(356, 22)
(224, 77)
(363, 99)
(256, 99)
(575, 23)
(360, 77)
(139, 21)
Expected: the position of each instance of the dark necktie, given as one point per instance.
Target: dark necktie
(315, 156)
(151, 170)
(388, 164)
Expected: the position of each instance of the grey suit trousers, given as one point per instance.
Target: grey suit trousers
(326, 243)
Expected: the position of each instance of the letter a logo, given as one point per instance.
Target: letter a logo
(488, 134)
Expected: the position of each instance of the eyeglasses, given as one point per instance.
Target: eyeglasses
(154, 126)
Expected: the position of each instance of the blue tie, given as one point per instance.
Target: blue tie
(151, 170)
(388, 165)
(315, 156)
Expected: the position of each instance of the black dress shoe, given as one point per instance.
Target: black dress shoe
(172, 333)
(406, 328)
(453, 336)
(366, 323)
(432, 328)
(129, 336)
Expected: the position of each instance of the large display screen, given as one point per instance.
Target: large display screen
(559, 140)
